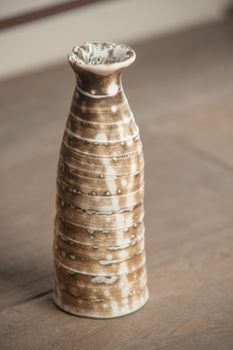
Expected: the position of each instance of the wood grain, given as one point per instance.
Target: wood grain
(207, 128)
(186, 310)
(185, 117)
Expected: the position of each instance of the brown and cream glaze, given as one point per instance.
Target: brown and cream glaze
(99, 256)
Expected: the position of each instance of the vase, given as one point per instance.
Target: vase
(99, 256)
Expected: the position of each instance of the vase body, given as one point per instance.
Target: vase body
(99, 255)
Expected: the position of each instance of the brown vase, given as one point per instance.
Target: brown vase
(99, 255)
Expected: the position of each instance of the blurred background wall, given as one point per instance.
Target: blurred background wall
(33, 35)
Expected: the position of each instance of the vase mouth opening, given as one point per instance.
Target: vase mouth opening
(101, 58)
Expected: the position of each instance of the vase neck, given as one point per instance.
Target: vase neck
(98, 67)
(98, 85)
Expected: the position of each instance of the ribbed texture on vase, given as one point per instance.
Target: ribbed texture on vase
(99, 233)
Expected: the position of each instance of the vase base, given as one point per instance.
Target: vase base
(102, 314)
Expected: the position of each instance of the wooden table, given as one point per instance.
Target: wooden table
(181, 90)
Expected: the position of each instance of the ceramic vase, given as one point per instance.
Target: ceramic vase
(99, 256)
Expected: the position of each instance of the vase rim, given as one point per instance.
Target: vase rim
(101, 57)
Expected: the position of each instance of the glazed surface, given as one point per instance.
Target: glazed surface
(99, 232)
